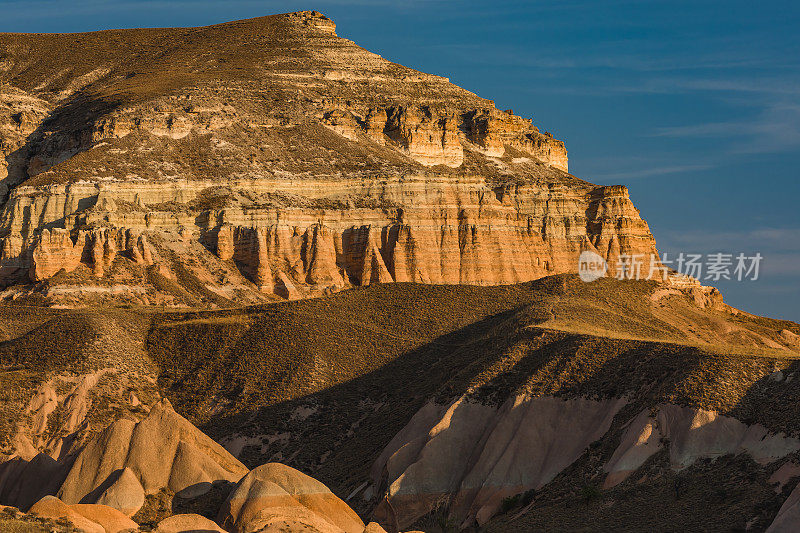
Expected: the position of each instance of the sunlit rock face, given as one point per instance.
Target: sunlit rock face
(272, 157)
(474, 456)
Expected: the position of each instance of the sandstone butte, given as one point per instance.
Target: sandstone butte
(269, 158)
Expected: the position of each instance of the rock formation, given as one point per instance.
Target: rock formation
(543, 407)
(272, 497)
(692, 434)
(179, 170)
(85, 517)
(471, 457)
(352, 170)
(113, 474)
(187, 523)
(122, 491)
(277, 497)
(788, 515)
(475, 455)
(163, 450)
(123, 464)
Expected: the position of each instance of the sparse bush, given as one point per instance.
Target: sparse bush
(590, 492)
(446, 524)
(510, 502)
(527, 497)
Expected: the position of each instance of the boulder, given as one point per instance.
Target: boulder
(124, 493)
(110, 519)
(188, 523)
(53, 508)
(289, 518)
(275, 495)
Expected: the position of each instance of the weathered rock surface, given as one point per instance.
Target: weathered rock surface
(692, 434)
(265, 158)
(349, 170)
(20, 115)
(275, 497)
(164, 450)
(124, 492)
(788, 516)
(470, 457)
(53, 426)
(188, 523)
(17, 472)
(474, 455)
(85, 517)
(431, 231)
(109, 518)
(112, 474)
(54, 250)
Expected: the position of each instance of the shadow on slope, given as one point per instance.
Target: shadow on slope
(324, 384)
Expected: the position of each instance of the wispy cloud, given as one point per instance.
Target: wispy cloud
(649, 172)
(633, 56)
(779, 247)
(750, 83)
(779, 239)
(775, 129)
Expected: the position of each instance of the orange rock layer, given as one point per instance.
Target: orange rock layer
(425, 231)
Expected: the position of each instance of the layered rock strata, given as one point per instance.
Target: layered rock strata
(306, 162)
(420, 229)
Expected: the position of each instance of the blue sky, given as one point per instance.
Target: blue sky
(694, 105)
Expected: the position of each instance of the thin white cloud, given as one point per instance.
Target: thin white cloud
(787, 86)
(652, 171)
(779, 248)
(783, 240)
(709, 129)
(620, 55)
(775, 129)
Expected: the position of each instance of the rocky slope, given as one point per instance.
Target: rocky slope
(419, 406)
(271, 158)
(467, 380)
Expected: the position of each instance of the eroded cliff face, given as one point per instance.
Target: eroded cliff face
(20, 115)
(418, 229)
(302, 163)
(469, 458)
